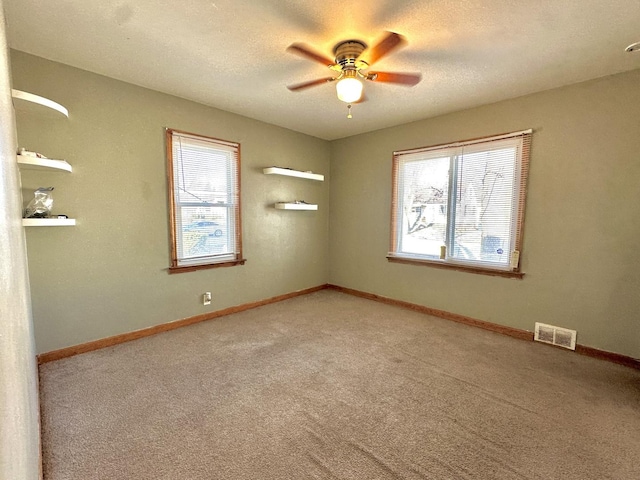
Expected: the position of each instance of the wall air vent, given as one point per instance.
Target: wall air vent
(561, 337)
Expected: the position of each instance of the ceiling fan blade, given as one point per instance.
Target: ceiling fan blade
(307, 52)
(312, 83)
(394, 77)
(390, 42)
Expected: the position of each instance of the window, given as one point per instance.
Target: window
(204, 198)
(461, 204)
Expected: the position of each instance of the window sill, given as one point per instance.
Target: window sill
(193, 268)
(461, 268)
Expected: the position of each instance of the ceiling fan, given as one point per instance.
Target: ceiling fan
(352, 61)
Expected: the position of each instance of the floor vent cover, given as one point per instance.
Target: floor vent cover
(561, 337)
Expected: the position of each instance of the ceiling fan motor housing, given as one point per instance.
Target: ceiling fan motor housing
(347, 53)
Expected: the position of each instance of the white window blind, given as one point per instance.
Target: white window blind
(205, 192)
(461, 203)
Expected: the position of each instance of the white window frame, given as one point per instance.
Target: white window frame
(519, 140)
(180, 262)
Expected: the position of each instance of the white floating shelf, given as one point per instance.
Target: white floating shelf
(293, 173)
(26, 101)
(34, 163)
(296, 206)
(48, 222)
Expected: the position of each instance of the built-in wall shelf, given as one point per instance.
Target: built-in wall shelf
(27, 162)
(48, 222)
(29, 101)
(293, 173)
(296, 206)
(35, 103)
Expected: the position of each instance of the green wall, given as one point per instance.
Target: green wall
(108, 275)
(582, 225)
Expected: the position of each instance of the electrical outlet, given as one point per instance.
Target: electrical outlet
(206, 298)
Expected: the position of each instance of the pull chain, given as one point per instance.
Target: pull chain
(349, 111)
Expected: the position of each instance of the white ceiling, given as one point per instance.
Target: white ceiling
(230, 54)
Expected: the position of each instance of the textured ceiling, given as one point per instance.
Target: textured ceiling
(230, 54)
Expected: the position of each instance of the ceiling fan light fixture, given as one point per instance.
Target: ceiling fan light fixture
(349, 89)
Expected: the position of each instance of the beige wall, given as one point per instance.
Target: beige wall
(108, 274)
(582, 225)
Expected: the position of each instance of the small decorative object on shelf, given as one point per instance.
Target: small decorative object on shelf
(26, 153)
(289, 172)
(40, 205)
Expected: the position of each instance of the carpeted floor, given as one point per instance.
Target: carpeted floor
(330, 386)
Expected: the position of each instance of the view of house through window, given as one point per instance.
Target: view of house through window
(205, 200)
(461, 203)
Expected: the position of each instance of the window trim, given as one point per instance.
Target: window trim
(519, 203)
(454, 266)
(174, 266)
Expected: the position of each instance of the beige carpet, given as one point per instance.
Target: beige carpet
(330, 386)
